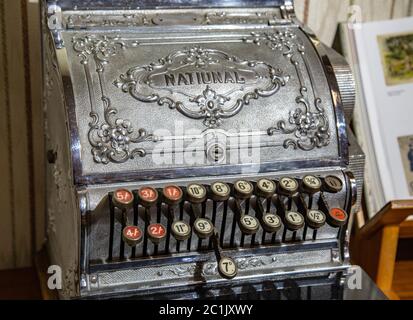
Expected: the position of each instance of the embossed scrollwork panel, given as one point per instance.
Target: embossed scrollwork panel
(265, 86)
(230, 83)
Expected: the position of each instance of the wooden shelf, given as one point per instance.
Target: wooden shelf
(403, 280)
(406, 230)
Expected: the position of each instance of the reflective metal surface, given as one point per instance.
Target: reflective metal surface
(159, 93)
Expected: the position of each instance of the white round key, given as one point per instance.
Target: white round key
(243, 189)
(288, 186)
(266, 188)
(196, 193)
(227, 268)
(312, 184)
(181, 230)
(271, 223)
(249, 225)
(294, 220)
(316, 219)
(220, 191)
(203, 228)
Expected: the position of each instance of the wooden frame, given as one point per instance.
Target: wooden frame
(374, 246)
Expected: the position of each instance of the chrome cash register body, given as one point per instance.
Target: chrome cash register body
(195, 148)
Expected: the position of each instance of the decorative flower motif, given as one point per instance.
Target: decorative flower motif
(211, 105)
(112, 140)
(101, 48)
(199, 57)
(305, 122)
(118, 136)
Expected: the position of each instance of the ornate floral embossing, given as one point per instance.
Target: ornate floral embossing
(245, 263)
(168, 79)
(101, 48)
(210, 269)
(211, 105)
(142, 19)
(199, 57)
(180, 271)
(112, 139)
(311, 128)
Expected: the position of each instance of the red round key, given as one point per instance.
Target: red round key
(172, 194)
(148, 196)
(156, 232)
(132, 235)
(122, 198)
(338, 217)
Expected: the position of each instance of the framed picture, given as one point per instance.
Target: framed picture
(397, 58)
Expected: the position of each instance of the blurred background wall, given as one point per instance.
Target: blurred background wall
(22, 192)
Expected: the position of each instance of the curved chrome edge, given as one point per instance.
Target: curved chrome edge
(337, 101)
(83, 202)
(161, 4)
(69, 103)
(325, 60)
(350, 208)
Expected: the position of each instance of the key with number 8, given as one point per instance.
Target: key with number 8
(220, 191)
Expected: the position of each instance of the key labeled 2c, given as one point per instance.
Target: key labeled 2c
(288, 186)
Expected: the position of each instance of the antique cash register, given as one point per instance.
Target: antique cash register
(196, 149)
